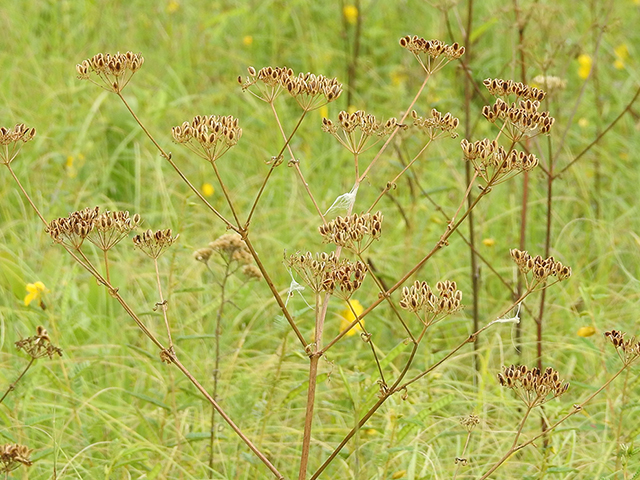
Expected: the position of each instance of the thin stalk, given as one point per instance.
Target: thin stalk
(226, 193)
(24, 192)
(311, 396)
(275, 161)
(393, 134)
(12, 387)
(464, 452)
(395, 179)
(216, 368)
(167, 157)
(163, 304)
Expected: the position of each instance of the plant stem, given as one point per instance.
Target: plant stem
(13, 385)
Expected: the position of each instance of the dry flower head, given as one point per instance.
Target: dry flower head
(39, 345)
(113, 71)
(539, 268)
(153, 244)
(354, 232)
(420, 299)
(533, 386)
(550, 83)
(354, 130)
(104, 230)
(628, 350)
(12, 455)
(437, 125)
(209, 137)
(12, 139)
(470, 422)
(432, 54)
(493, 163)
(311, 91)
(324, 272)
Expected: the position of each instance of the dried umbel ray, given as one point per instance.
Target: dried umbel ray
(437, 125)
(538, 268)
(12, 139)
(533, 386)
(113, 71)
(355, 130)
(492, 162)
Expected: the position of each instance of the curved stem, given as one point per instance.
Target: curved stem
(12, 387)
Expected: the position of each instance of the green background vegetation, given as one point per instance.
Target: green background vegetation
(109, 409)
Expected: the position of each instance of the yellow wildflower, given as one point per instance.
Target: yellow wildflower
(585, 63)
(352, 109)
(622, 53)
(399, 474)
(350, 13)
(247, 40)
(207, 189)
(36, 290)
(586, 331)
(488, 242)
(583, 122)
(173, 6)
(348, 317)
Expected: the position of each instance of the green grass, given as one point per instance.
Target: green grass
(110, 409)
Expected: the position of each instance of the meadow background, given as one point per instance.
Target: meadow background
(110, 409)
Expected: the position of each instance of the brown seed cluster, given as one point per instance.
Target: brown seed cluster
(153, 244)
(231, 248)
(420, 299)
(324, 272)
(628, 350)
(113, 70)
(310, 91)
(12, 455)
(435, 52)
(503, 88)
(355, 232)
(104, 230)
(532, 385)
(437, 125)
(354, 130)
(39, 345)
(540, 268)
(522, 119)
(209, 137)
(111, 227)
(493, 163)
(12, 140)
(470, 422)
(73, 229)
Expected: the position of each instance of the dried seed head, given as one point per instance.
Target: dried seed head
(470, 422)
(12, 455)
(252, 272)
(420, 299)
(437, 125)
(209, 137)
(355, 232)
(39, 345)
(73, 229)
(432, 54)
(628, 350)
(203, 255)
(539, 268)
(153, 244)
(111, 227)
(310, 91)
(110, 71)
(13, 139)
(232, 247)
(533, 386)
(355, 131)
